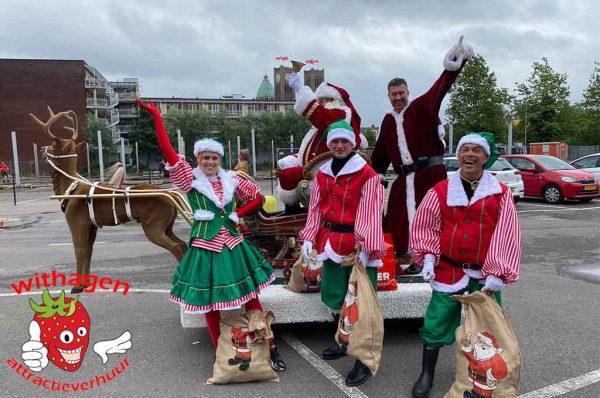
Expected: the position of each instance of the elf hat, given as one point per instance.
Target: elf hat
(486, 141)
(340, 129)
(208, 145)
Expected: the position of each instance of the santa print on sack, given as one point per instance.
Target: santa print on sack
(243, 344)
(486, 365)
(349, 315)
(312, 273)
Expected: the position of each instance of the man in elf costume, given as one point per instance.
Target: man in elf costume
(411, 138)
(346, 204)
(326, 105)
(486, 365)
(466, 236)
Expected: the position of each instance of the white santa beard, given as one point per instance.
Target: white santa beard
(482, 353)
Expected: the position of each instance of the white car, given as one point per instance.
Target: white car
(504, 172)
(589, 163)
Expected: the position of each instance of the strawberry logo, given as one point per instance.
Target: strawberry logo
(63, 325)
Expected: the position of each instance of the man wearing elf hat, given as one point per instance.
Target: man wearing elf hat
(326, 105)
(346, 204)
(411, 138)
(466, 236)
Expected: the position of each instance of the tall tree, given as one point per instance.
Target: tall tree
(544, 98)
(94, 125)
(143, 133)
(476, 102)
(585, 117)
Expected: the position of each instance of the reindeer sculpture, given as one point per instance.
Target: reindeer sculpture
(91, 207)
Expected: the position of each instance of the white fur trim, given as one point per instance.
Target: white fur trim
(353, 165)
(364, 143)
(488, 186)
(203, 185)
(305, 141)
(208, 145)
(303, 98)
(287, 162)
(411, 201)
(473, 139)
(341, 133)
(288, 198)
(234, 217)
(444, 288)
(326, 91)
(442, 134)
(170, 167)
(203, 215)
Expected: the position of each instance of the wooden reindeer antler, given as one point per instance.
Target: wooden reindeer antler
(70, 115)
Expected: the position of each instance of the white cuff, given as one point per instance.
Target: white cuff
(203, 215)
(234, 217)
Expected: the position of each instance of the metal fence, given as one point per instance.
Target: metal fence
(575, 152)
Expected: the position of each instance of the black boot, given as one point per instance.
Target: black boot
(276, 360)
(423, 385)
(413, 269)
(359, 374)
(471, 394)
(333, 352)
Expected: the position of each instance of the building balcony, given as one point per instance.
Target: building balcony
(127, 97)
(126, 113)
(97, 102)
(98, 84)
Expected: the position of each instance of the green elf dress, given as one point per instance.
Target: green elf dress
(220, 270)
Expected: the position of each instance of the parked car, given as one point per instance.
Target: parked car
(553, 179)
(502, 169)
(589, 163)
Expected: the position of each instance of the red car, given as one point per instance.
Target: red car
(554, 180)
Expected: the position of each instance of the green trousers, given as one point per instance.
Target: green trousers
(334, 283)
(443, 315)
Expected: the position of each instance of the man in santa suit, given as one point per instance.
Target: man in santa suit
(411, 138)
(326, 105)
(466, 236)
(346, 205)
(486, 365)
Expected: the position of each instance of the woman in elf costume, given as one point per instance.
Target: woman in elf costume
(220, 270)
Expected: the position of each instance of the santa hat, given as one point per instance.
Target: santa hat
(328, 90)
(290, 177)
(490, 340)
(340, 129)
(208, 145)
(486, 141)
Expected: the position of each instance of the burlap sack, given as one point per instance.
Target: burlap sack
(243, 350)
(488, 357)
(306, 277)
(360, 328)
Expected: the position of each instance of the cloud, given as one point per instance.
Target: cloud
(209, 48)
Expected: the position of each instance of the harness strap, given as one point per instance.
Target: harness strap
(90, 202)
(128, 205)
(114, 209)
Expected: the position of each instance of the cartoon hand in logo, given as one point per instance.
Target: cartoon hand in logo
(35, 355)
(117, 346)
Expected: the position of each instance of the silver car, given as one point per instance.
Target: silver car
(589, 163)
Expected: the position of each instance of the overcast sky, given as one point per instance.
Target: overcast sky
(208, 48)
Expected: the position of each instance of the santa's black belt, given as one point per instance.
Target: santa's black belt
(421, 163)
(459, 264)
(476, 376)
(339, 227)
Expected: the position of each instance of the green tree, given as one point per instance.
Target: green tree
(94, 125)
(584, 119)
(544, 98)
(476, 103)
(143, 133)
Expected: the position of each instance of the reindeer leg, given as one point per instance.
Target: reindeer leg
(169, 232)
(82, 235)
(155, 231)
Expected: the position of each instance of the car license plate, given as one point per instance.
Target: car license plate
(590, 188)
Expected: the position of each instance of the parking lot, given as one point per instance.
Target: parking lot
(553, 309)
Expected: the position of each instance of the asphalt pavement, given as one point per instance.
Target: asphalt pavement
(553, 309)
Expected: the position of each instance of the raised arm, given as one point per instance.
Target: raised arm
(161, 132)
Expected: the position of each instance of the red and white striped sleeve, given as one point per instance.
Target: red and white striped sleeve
(368, 223)
(426, 230)
(246, 190)
(314, 218)
(181, 174)
(504, 254)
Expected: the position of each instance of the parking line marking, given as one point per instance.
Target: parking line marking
(565, 386)
(555, 210)
(321, 366)
(32, 200)
(538, 205)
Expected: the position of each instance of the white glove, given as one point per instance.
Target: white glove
(234, 217)
(117, 346)
(428, 264)
(306, 249)
(294, 82)
(363, 256)
(493, 284)
(35, 355)
(456, 55)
